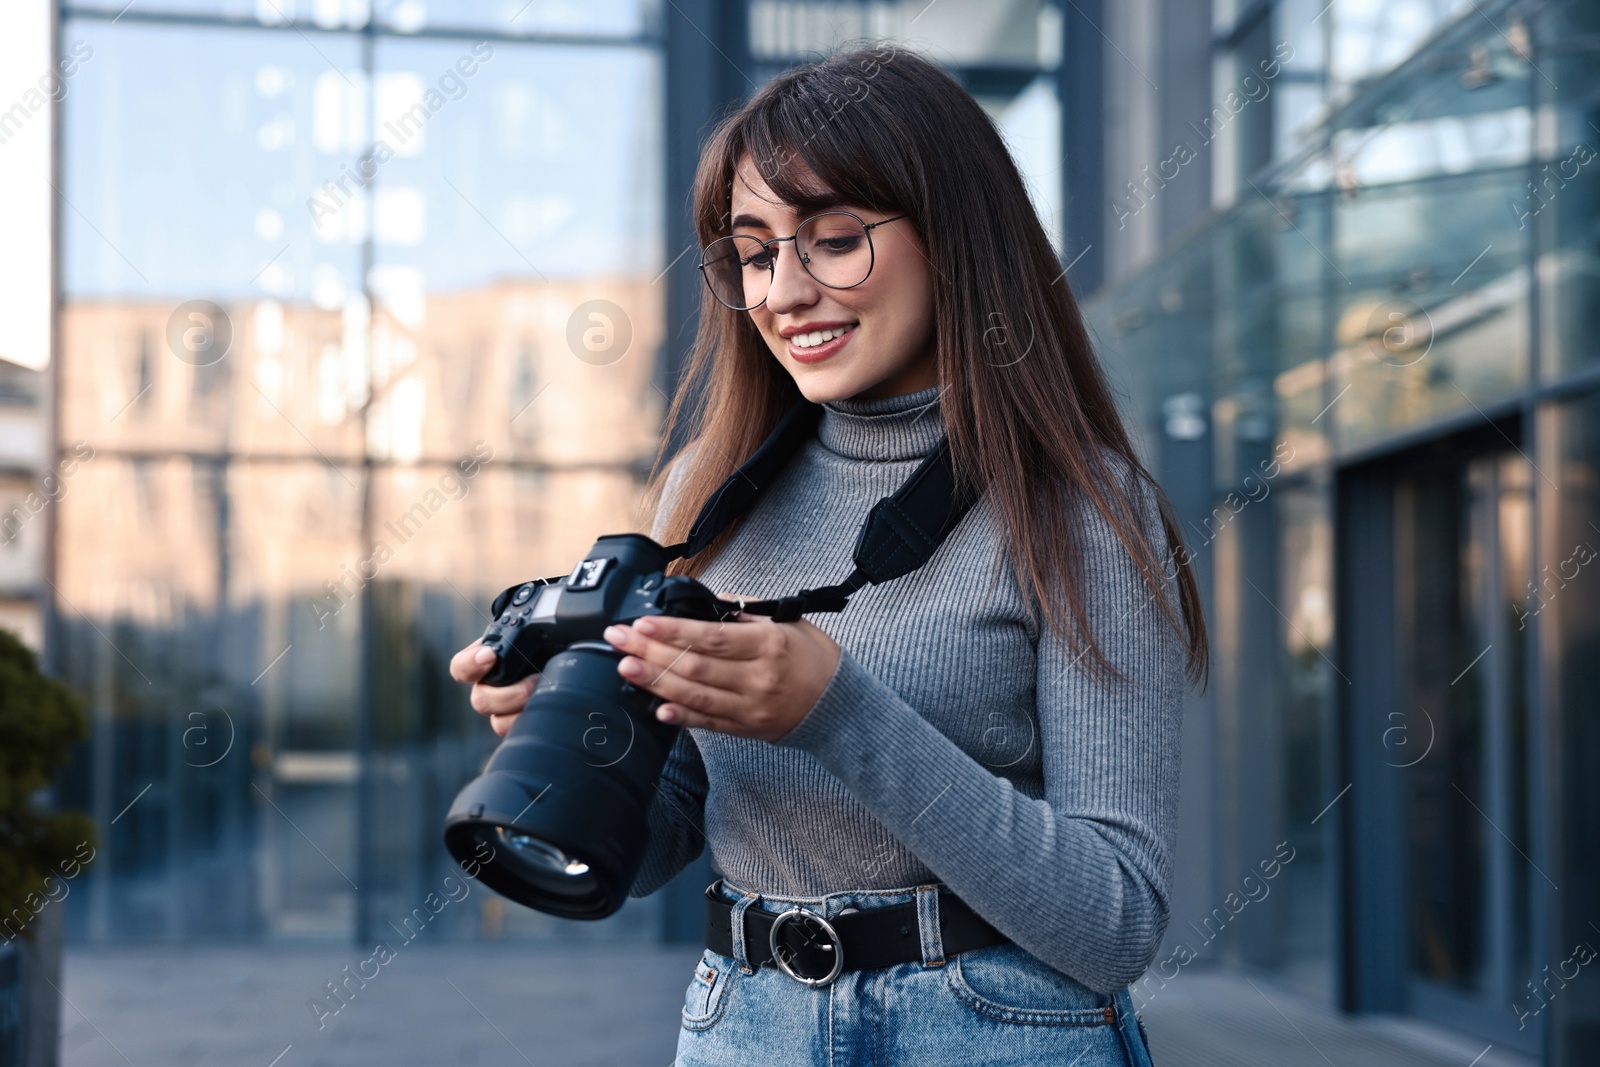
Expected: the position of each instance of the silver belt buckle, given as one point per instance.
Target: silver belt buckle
(782, 961)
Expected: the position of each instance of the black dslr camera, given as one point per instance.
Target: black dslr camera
(562, 802)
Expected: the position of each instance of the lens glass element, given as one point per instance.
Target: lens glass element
(541, 853)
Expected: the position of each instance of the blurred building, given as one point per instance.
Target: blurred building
(1346, 275)
(369, 309)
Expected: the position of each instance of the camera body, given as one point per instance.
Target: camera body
(621, 579)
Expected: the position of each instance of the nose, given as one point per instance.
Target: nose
(792, 286)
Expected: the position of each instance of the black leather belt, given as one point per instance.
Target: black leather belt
(815, 950)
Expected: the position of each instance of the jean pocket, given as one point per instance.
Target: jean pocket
(707, 996)
(1009, 983)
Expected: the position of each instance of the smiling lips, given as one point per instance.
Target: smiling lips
(819, 344)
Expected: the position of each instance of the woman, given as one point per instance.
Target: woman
(966, 781)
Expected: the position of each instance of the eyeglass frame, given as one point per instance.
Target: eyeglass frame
(805, 260)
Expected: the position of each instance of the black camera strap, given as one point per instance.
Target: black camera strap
(900, 534)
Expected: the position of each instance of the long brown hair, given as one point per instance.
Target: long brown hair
(1026, 406)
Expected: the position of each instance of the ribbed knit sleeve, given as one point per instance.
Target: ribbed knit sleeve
(677, 814)
(1080, 876)
(676, 817)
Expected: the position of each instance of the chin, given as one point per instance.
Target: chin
(822, 388)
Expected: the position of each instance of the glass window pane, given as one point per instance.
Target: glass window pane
(294, 542)
(611, 18)
(1250, 736)
(518, 259)
(204, 309)
(186, 618)
(323, 14)
(1306, 565)
(1569, 635)
(958, 32)
(1564, 202)
(1370, 38)
(607, 18)
(1432, 306)
(291, 383)
(190, 184)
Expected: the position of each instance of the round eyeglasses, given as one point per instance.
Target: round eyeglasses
(835, 248)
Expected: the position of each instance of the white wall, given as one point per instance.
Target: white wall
(27, 86)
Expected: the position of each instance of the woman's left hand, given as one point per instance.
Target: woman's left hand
(749, 676)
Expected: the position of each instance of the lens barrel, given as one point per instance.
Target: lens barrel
(562, 802)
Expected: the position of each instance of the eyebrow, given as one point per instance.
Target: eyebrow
(751, 220)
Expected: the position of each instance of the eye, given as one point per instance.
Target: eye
(839, 245)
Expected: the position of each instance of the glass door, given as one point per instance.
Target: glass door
(1458, 740)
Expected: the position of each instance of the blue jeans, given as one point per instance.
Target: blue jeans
(990, 1007)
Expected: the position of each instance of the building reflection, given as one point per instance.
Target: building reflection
(213, 555)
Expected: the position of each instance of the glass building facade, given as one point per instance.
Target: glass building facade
(1367, 377)
(358, 323)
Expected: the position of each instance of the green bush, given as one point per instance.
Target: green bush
(40, 719)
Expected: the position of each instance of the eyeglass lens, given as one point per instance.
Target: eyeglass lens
(834, 248)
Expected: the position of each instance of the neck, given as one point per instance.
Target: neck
(907, 426)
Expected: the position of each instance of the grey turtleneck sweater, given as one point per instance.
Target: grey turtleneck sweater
(957, 741)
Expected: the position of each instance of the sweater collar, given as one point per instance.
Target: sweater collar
(893, 427)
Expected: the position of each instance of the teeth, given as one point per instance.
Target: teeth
(817, 337)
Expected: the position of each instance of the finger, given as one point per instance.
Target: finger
(678, 715)
(669, 685)
(472, 662)
(502, 699)
(662, 660)
(460, 663)
(724, 640)
(501, 724)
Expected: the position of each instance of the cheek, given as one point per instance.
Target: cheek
(768, 330)
(905, 323)
(906, 298)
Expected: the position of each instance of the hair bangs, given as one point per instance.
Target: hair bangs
(814, 149)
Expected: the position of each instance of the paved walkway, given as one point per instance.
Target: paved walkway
(1229, 1019)
(241, 1006)
(580, 1006)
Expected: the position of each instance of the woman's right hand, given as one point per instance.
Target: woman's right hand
(502, 703)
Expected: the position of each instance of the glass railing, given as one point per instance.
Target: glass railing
(1384, 281)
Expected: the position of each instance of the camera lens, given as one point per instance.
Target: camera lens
(562, 804)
